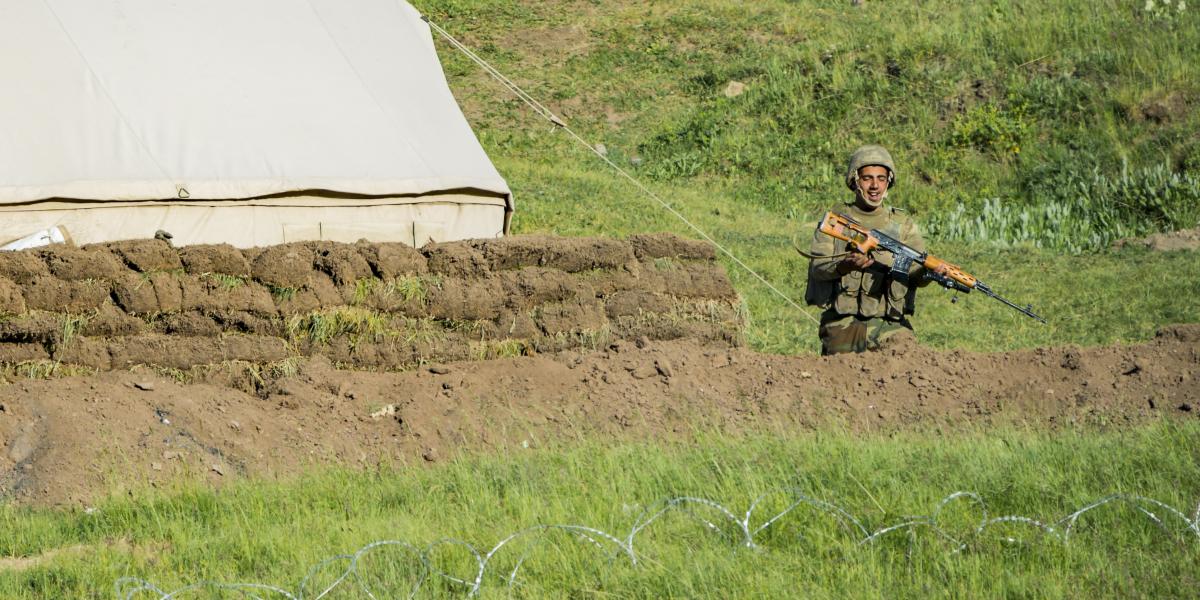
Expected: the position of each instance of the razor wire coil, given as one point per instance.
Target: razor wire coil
(617, 547)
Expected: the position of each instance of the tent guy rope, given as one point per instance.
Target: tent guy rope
(549, 115)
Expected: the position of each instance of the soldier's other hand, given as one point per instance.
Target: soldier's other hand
(855, 261)
(942, 270)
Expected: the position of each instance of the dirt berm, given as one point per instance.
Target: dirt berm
(134, 363)
(119, 305)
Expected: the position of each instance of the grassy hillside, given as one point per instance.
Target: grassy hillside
(1029, 136)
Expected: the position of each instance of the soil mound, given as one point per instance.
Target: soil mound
(143, 302)
(136, 362)
(64, 439)
(1184, 239)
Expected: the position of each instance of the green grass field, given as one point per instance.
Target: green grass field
(273, 532)
(1029, 135)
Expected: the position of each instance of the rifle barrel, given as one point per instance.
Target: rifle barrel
(1025, 310)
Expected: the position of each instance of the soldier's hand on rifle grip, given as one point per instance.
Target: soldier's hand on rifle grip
(855, 261)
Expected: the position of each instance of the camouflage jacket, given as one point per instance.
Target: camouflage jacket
(867, 294)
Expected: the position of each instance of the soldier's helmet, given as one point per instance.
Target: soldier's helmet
(868, 156)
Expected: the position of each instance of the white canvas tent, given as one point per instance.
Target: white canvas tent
(250, 122)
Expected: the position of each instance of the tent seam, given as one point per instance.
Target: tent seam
(350, 64)
(108, 94)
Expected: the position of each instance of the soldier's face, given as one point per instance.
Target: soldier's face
(872, 185)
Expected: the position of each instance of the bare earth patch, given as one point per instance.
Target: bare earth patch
(68, 440)
(1185, 239)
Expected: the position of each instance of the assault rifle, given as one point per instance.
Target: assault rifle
(867, 240)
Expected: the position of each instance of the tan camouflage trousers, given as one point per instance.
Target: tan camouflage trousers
(841, 333)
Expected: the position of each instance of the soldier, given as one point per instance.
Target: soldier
(866, 309)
